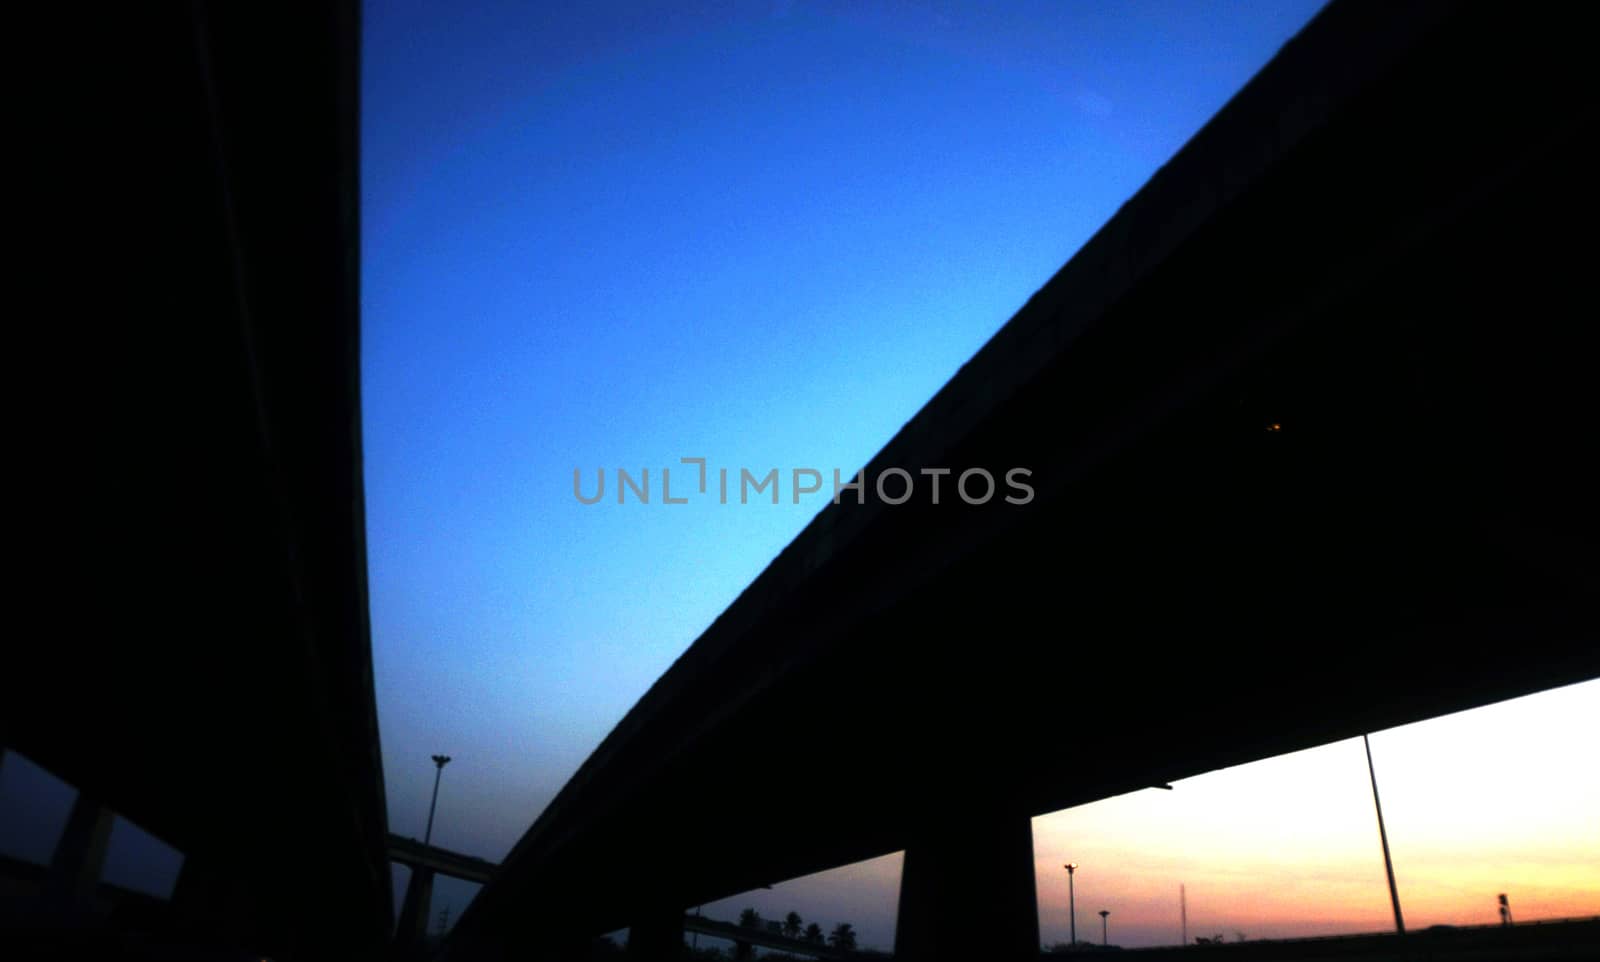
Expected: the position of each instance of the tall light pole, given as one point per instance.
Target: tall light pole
(1072, 904)
(1383, 837)
(439, 761)
(1103, 914)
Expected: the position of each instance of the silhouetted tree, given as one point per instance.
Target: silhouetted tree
(843, 937)
(814, 934)
(748, 919)
(792, 925)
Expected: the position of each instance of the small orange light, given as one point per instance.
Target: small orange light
(1275, 427)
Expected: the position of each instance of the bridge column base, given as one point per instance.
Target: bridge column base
(413, 925)
(967, 891)
(69, 886)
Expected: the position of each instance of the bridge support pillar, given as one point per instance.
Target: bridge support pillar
(658, 935)
(967, 891)
(414, 910)
(75, 866)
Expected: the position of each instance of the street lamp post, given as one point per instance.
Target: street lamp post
(439, 761)
(1072, 905)
(1383, 839)
(1103, 914)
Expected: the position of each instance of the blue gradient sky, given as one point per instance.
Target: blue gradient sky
(765, 234)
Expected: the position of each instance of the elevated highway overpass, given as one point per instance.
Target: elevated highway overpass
(193, 541)
(415, 855)
(1310, 423)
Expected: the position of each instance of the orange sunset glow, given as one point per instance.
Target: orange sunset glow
(1504, 798)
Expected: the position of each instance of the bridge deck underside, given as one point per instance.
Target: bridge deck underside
(1413, 541)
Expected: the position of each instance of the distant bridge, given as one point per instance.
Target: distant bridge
(427, 861)
(440, 861)
(763, 937)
